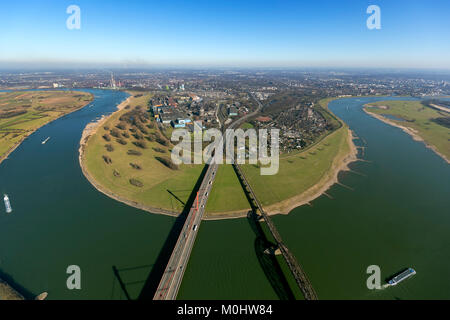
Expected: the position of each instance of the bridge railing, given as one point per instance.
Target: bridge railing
(295, 268)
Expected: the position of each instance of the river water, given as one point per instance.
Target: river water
(59, 219)
(395, 216)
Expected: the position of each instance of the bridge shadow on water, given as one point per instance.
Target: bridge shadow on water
(268, 261)
(156, 273)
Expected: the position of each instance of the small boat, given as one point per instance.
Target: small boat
(402, 276)
(7, 204)
(45, 141)
(42, 296)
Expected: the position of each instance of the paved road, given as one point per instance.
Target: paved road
(173, 274)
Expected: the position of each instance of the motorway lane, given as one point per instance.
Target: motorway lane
(173, 274)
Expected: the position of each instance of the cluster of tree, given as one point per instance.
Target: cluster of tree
(135, 166)
(160, 150)
(107, 159)
(121, 125)
(135, 117)
(167, 162)
(151, 137)
(122, 141)
(138, 136)
(161, 139)
(136, 183)
(10, 114)
(115, 133)
(134, 153)
(443, 121)
(282, 101)
(140, 144)
(109, 147)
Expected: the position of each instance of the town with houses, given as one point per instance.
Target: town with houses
(213, 98)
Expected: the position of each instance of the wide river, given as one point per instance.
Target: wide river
(395, 216)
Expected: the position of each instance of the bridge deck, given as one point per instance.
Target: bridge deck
(295, 268)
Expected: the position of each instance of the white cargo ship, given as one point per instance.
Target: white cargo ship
(402, 276)
(7, 204)
(45, 141)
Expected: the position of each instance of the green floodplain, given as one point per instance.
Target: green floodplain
(387, 211)
(161, 187)
(168, 188)
(392, 213)
(430, 124)
(23, 112)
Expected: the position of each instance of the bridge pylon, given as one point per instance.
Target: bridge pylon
(273, 250)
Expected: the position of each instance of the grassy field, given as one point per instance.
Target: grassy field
(300, 171)
(22, 113)
(226, 193)
(246, 126)
(162, 187)
(420, 118)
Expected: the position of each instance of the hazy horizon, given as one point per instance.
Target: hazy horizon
(259, 34)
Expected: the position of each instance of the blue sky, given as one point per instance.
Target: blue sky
(327, 33)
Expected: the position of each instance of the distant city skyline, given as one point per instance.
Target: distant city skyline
(413, 34)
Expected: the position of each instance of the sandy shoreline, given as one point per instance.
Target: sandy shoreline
(14, 147)
(88, 131)
(413, 133)
(283, 207)
(286, 206)
(9, 293)
(330, 179)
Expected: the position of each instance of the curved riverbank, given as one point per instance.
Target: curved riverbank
(8, 293)
(90, 130)
(413, 133)
(16, 145)
(328, 179)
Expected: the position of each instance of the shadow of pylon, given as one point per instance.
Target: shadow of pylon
(121, 283)
(268, 261)
(151, 284)
(176, 198)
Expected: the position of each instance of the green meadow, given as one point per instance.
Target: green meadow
(422, 119)
(162, 187)
(135, 173)
(23, 112)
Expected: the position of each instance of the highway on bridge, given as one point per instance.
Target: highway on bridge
(173, 274)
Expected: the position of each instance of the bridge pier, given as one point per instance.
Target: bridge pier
(274, 250)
